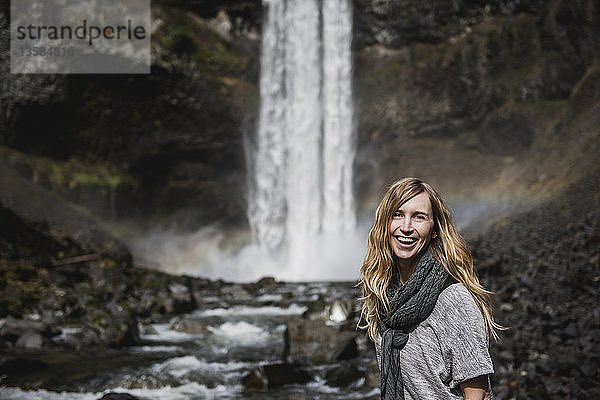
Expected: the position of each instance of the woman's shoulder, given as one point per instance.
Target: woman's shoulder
(455, 291)
(455, 299)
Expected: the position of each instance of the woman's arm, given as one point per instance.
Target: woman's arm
(476, 388)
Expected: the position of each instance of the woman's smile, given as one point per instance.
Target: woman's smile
(406, 241)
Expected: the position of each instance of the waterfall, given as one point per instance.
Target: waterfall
(303, 153)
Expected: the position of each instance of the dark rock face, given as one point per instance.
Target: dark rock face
(396, 23)
(170, 142)
(312, 341)
(475, 102)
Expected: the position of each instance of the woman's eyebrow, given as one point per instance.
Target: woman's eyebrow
(416, 212)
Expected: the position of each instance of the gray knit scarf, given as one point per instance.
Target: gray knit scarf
(410, 304)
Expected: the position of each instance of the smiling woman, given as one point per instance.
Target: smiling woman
(411, 230)
(423, 305)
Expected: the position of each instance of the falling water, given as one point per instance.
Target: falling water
(301, 186)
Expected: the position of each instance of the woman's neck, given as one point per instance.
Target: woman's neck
(406, 269)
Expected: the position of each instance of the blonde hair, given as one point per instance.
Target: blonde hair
(448, 247)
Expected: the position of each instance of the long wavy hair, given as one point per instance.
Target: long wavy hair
(447, 247)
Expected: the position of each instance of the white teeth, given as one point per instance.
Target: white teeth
(406, 240)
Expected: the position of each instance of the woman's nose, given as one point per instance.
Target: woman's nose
(406, 224)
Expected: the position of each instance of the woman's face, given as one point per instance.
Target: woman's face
(411, 228)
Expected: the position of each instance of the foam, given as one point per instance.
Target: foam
(293, 309)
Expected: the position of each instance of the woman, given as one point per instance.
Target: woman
(423, 305)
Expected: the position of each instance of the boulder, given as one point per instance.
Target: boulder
(285, 374)
(181, 295)
(30, 340)
(313, 341)
(235, 292)
(179, 291)
(336, 311)
(16, 327)
(192, 326)
(131, 336)
(344, 375)
(78, 337)
(118, 396)
(266, 281)
(255, 380)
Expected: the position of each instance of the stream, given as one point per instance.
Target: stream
(230, 339)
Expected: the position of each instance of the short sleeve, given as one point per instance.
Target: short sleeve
(463, 336)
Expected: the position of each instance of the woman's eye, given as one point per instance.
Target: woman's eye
(420, 217)
(397, 214)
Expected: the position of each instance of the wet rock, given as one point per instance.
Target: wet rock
(12, 330)
(164, 304)
(118, 396)
(30, 340)
(191, 326)
(570, 331)
(182, 299)
(266, 281)
(344, 375)
(21, 366)
(149, 330)
(78, 337)
(340, 311)
(255, 380)
(372, 379)
(316, 310)
(336, 311)
(285, 374)
(16, 327)
(235, 292)
(131, 337)
(313, 341)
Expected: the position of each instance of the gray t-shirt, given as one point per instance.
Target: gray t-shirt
(447, 348)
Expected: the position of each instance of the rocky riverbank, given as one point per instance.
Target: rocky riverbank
(61, 307)
(544, 267)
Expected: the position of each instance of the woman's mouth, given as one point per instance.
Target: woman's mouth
(405, 241)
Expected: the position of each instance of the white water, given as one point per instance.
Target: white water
(301, 187)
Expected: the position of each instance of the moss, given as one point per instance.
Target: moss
(392, 70)
(215, 57)
(109, 263)
(76, 173)
(20, 286)
(184, 34)
(180, 40)
(100, 319)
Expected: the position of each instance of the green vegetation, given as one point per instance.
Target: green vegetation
(75, 174)
(20, 286)
(186, 36)
(180, 40)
